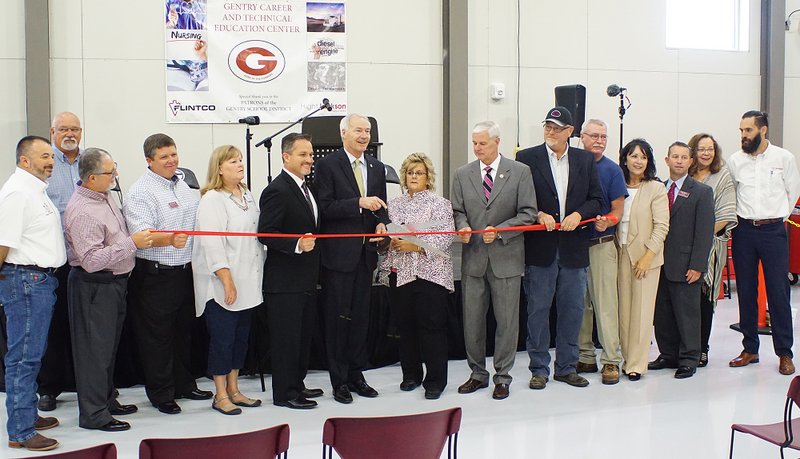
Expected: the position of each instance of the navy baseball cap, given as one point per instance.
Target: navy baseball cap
(559, 115)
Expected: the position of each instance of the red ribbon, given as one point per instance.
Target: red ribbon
(540, 227)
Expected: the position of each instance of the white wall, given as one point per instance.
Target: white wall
(675, 93)
(13, 124)
(791, 101)
(111, 73)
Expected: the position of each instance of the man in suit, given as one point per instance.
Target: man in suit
(351, 192)
(291, 271)
(489, 193)
(567, 191)
(691, 232)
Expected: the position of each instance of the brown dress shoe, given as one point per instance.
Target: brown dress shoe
(745, 358)
(500, 391)
(45, 423)
(786, 366)
(471, 386)
(35, 443)
(581, 367)
(610, 374)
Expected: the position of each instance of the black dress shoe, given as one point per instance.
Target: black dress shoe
(660, 363)
(409, 385)
(47, 403)
(684, 372)
(703, 359)
(363, 389)
(168, 407)
(196, 394)
(342, 394)
(433, 394)
(123, 410)
(114, 426)
(311, 393)
(297, 404)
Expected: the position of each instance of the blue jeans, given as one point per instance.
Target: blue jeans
(27, 297)
(568, 286)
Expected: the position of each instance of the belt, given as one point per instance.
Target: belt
(600, 240)
(762, 222)
(102, 275)
(154, 265)
(32, 267)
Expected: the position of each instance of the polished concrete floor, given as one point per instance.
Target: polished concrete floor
(656, 417)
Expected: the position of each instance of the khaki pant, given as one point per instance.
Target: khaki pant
(637, 303)
(601, 304)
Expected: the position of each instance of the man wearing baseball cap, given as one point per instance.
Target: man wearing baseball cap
(567, 191)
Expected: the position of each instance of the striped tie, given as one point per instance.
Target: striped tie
(487, 182)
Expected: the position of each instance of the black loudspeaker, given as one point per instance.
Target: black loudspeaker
(573, 97)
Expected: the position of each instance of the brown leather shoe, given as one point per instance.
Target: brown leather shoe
(786, 366)
(35, 443)
(45, 423)
(610, 374)
(745, 358)
(581, 367)
(472, 385)
(500, 391)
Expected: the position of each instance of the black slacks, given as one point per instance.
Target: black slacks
(291, 322)
(421, 311)
(346, 306)
(161, 302)
(677, 321)
(96, 315)
(56, 374)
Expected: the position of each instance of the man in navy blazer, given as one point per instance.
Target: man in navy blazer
(567, 191)
(351, 189)
(291, 272)
(691, 232)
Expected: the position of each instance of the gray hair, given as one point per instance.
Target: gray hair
(594, 121)
(490, 127)
(344, 124)
(91, 162)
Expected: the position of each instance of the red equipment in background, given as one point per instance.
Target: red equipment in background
(794, 244)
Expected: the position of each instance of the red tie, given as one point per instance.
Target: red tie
(671, 195)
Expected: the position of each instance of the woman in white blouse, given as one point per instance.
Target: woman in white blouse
(227, 274)
(640, 238)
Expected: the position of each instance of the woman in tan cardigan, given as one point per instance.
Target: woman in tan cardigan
(640, 239)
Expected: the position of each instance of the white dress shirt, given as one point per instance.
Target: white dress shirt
(767, 185)
(560, 171)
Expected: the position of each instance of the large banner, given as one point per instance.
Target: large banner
(275, 59)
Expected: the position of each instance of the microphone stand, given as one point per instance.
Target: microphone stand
(621, 116)
(249, 138)
(268, 141)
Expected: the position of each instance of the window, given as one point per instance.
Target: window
(708, 24)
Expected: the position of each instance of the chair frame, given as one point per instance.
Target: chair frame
(788, 432)
(282, 441)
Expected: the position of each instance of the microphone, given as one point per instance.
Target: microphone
(614, 90)
(251, 120)
(326, 104)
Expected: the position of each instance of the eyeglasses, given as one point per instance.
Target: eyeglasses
(597, 137)
(112, 172)
(706, 150)
(553, 127)
(64, 130)
(416, 174)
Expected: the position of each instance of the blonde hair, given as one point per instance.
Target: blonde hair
(218, 156)
(412, 160)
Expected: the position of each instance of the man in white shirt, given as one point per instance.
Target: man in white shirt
(767, 187)
(31, 249)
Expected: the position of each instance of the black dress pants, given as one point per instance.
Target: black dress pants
(291, 322)
(677, 321)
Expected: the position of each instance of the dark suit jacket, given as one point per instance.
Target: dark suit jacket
(691, 231)
(584, 195)
(284, 209)
(337, 193)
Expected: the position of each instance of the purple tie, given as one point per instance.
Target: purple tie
(487, 182)
(671, 195)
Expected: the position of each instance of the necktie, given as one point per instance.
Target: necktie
(671, 195)
(357, 173)
(308, 197)
(487, 182)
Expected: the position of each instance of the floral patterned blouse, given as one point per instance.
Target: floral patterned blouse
(422, 207)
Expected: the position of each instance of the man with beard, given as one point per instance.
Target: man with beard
(57, 374)
(767, 186)
(31, 250)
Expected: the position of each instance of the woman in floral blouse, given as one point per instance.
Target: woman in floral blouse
(420, 274)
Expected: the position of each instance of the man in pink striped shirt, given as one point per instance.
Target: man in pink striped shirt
(101, 253)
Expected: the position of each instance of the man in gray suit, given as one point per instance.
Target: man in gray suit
(490, 193)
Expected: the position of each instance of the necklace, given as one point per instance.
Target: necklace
(243, 205)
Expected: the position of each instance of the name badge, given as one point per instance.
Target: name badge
(173, 205)
(683, 194)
